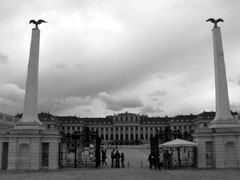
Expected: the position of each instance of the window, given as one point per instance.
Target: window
(45, 154)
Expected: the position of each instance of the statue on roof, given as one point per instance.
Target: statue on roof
(37, 22)
(214, 21)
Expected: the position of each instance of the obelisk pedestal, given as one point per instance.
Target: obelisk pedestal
(30, 119)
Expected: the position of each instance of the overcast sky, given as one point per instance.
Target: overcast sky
(103, 57)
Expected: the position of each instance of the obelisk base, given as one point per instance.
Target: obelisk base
(224, 123)
(29, 149)
(29, 125)
(218, 148)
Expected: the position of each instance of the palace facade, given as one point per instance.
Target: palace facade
(127, 128)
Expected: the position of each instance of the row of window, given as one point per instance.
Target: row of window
(126, 128)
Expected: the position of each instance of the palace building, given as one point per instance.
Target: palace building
(126, 128)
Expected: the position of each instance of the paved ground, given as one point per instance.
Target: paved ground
(122, 174)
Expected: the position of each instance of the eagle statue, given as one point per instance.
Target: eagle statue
(37, 22)
(214, 21)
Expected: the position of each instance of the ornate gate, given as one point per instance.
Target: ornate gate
(80, 149)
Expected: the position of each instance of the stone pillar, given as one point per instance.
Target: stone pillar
(12, 154)
(129, 133)
(35, 153)
(104, 133)
(53, 153)
(124, 133)
(219, 151)
(30, 119)
(144, 134)
(134, 133)
(114, 133)
(149, 133)
(1, 146)
(119, 134)
(223, 117)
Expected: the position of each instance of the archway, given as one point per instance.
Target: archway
(230, 156)
(24, 157)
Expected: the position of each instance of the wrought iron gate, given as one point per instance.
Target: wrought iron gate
(80, 149)
(168, 135)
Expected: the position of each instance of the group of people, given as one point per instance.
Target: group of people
(117, 158)
(155, 162)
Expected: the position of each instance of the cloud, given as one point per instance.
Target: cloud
(11, 98)
(151, 110)
(62, 103)
(119, 102)
(11, 92)
(158, 93)
(235, 106)
(3, 58)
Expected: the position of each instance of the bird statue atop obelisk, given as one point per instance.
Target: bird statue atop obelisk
(30, 119)
(223, 117)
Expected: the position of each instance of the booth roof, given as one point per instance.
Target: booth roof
(178, 143)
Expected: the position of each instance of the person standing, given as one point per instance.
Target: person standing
(151, 160)
(112, 157)
(104, 157)
(122, 160)
(117, 157)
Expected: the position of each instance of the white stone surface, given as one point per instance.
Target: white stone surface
(30, 112)
(223, 115)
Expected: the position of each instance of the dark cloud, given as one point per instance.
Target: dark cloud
(61, 66)
(151, 110)
(62, 103)
(158, 93)
(11, 98)
(3, 58)
(118, 103)
(154, 99)
(235, 106)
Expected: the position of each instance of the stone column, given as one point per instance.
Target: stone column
(30, 119)
(144, 133)
(114, 133)
(149, 133)
(134, 133)
(119, 132)
(53, 153)
(129, 133)
(124, 133)
(35, 153)
(12, 154)
(104, 133)
(1, 148)
(219, 151)
(223, 117)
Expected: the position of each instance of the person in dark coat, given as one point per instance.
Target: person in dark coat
(157, 161)
(122, 160)
(151, 160)
(104, 157)
(167, 159)
(117, 157)
(113, 157)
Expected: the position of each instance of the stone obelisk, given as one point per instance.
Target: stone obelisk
(30, 119)
(223, 117)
